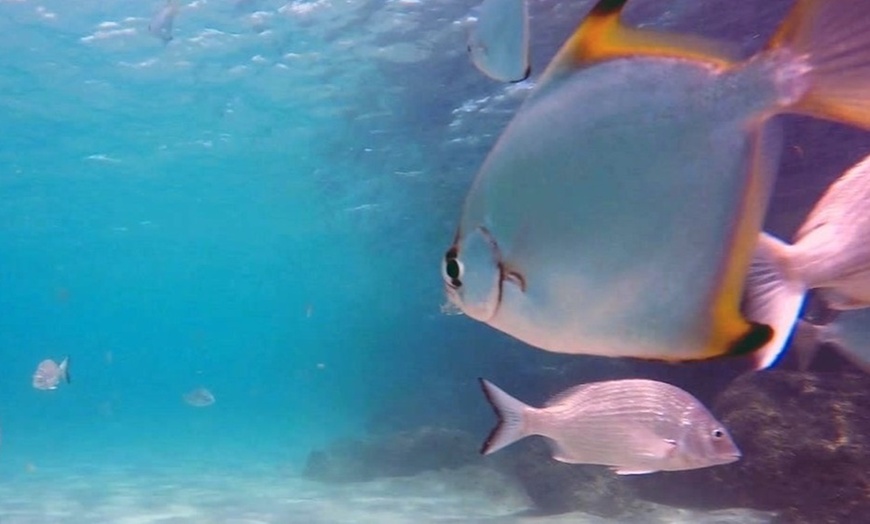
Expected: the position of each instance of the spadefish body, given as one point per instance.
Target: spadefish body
(635, 426)
(618, 213)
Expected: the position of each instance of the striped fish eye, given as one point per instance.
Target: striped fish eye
(718, 433)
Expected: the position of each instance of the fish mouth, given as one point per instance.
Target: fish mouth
(733, 457)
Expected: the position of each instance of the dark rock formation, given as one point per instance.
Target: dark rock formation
(556, 487)
(400, 454)
(805, 439)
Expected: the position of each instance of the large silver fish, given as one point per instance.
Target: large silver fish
(498, 40)
(49, 374)
(618, 212)
(830, 254)
(635, 426)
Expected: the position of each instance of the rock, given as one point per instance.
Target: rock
(399, 454)
(556, 487)
(805, 439)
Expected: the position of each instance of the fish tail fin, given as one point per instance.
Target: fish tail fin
(847, 334)
(64, 369)
(832, 39)
(773, 296)
(511, 414)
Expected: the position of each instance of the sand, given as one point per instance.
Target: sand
(194, 493)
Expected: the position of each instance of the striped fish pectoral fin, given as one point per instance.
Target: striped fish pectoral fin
(773, 297)
(601, 36)
(831, 38)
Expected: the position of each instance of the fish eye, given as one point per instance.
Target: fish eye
(453, 268)
(718, 433)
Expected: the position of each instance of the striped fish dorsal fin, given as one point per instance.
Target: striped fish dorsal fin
(601, 36)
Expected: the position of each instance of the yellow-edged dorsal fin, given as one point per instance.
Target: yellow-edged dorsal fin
(601, 36)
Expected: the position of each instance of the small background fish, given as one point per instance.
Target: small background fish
(199, 398)
(162, 21)
(49, 374)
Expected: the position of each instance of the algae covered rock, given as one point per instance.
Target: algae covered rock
(805, 439)
(556, 487)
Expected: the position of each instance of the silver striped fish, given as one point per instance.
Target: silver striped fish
(634, 426)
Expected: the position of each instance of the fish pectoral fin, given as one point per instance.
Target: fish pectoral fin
(619, 470)
(661, 449)
(601, 36)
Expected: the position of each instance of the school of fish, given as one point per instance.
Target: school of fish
(620, 214)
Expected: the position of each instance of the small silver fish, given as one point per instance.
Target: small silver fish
(498, 40)
(199, 398)
(49, 374)
(618, 212)
(161, 23)
(634, 426)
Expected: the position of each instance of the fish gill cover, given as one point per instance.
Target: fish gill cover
(257, 207)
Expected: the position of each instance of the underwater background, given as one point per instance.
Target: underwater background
(260, 207)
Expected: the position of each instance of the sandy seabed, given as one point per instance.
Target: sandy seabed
(201, 494)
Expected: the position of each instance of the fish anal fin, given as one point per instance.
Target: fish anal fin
(602, 36)
(631, 471)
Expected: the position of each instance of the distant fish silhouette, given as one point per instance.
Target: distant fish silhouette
(498, 42)
(161, 23)
(49, 374)
(199, 398)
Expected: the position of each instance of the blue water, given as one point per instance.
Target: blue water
(260, 208)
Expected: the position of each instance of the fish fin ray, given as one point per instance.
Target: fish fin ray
(64, 369)
(773, 296)
(511, 414)
(833, 37)
(601, 36)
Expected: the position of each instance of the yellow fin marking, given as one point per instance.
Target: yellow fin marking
(729, 327)
(602, 36)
